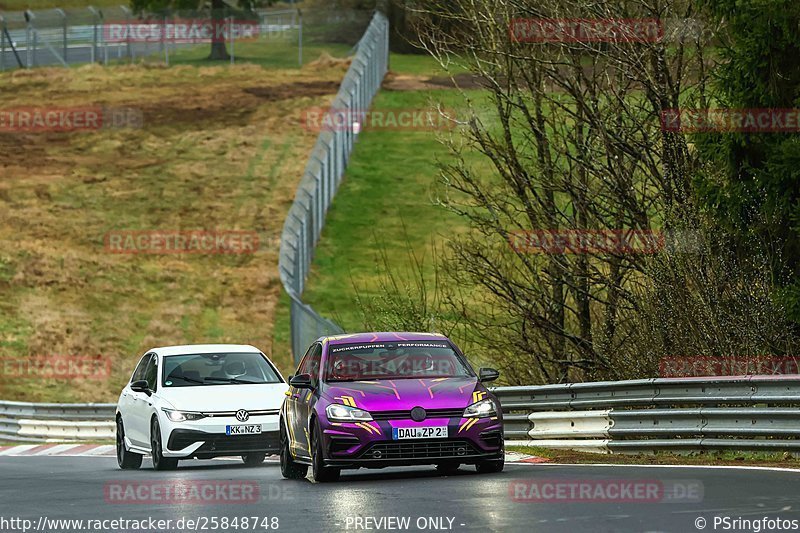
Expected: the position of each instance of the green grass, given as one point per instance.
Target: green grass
(386, 198)
(708, 458)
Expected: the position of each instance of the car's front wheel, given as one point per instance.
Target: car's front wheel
(319, 471)
(490, 467)
(289, 468)
(254, 459)
(159, 461)
(125, 459)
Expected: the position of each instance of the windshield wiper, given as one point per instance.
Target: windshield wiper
(233, 380)
(188, 380)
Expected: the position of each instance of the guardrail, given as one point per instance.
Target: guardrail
(734, 413)
(53, 422)
(321, 180)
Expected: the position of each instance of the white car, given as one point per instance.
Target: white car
(200, 401)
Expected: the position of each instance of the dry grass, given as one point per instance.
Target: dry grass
(220, 148)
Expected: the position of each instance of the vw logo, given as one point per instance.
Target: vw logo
(242, 415)
(418, 414)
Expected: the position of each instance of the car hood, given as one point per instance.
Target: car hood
(405, 394)
(211, 398)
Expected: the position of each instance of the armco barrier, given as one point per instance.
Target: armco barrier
(50, 422)
(734, 413)
(323, 174)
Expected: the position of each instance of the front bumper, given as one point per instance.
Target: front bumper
(206, 438)
(220, 444)
(370, 445)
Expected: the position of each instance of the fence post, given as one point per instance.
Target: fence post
(94, 33)
(127, 30)
(28, 31)
(3, 31)
(164, 42)
(63, 32)
(233, 41)
(300, 38)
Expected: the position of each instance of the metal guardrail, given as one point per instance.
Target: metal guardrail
(52, 422)
(735, 413)
(321, 180)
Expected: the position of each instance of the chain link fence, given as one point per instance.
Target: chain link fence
(64, 37)
(322, 177)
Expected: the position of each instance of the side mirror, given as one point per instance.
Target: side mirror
(488, 374)
(301, 381)
(140, 386)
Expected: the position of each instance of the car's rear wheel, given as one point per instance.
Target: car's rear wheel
(159, 461)
(254, 459)
(289, 468)
(125, 459)
(490, 467)
(320, 472)
(447, 468)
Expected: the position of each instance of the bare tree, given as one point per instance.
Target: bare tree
(572, 130)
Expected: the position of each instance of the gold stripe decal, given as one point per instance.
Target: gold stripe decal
(477, 396)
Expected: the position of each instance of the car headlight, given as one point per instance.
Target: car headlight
(481, 409)
(344, 413)
(182, 416)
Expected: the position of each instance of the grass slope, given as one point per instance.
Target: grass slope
(221, 148)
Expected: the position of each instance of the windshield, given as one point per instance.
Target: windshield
(394, 360)
(218, 369)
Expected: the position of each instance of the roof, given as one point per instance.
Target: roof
(382, 337)
(188, 349)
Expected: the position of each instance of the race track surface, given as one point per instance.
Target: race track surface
(93, 488)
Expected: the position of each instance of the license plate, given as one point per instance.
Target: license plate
(436, 432)
(243, 430)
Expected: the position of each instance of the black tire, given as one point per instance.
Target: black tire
(319, 472)
(254, 459)
(447, 468)
(289, 468)
(159, 461)
(490, 467)
(125, 459)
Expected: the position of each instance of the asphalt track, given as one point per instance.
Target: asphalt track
(78, 488)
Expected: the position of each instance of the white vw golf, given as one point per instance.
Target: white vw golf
(200, 401)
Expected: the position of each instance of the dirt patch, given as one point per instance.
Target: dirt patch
(326, 60)
(293, 90)
(406, 82)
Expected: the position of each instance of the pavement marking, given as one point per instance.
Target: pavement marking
(54, 450)
(109, 450)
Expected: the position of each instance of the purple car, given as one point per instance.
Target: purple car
(374, 400)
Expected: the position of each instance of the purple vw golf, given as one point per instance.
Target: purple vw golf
(388, 399)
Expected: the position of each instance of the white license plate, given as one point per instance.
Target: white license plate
(243, 430)
(436, 432)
